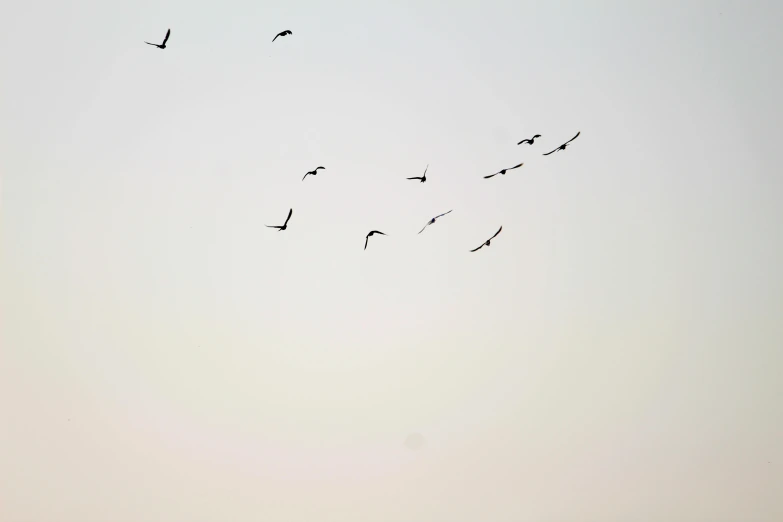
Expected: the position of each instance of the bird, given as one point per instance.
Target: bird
(530, 141)
(423, 177)
(284, 225)
(486, 243)
(503, 171)
(282, 33)
(431, 221)
(313, 172)
(163, 45)
(564, 145)
(367, 237)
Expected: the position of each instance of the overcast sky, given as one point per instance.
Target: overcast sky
(614, 355)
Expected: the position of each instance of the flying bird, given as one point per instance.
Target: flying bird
(423, 177)
(503, 172)
(313, 172)
(367, 237)
(564, 145)
(431, 221)
(284, 225)
(163, 45)
(486, 243)
(282, 33)
(530, 141)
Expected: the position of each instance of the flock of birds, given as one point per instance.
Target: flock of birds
(421, 179)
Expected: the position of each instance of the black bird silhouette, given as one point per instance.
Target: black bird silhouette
(282, 33)
(284, 225)
(313, 172)
(486, 243)
(431, 221)
(530, 141)
(503, 171)
(163, 45)
(564, 145)
(423, 177)
(367, 237)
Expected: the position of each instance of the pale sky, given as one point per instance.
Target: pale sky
(615, 355)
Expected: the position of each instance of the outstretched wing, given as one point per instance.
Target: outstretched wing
(536, 136)
(524, 141)
(306, 176)
(496, 234)
(491, 175)
(425, 170)
(515, 166)
(151, 44)
(551, 151)
(324, 168)
(168, 33)
(366, 239)
(415, 177)
(289, 217)
(477, 248)
(377, 232)
(572, 139)
(275, 38)
(425, 226)
(273, 226)
(439, 215)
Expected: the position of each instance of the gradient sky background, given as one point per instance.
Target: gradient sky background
(615, 355)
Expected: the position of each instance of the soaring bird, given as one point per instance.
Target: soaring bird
(423, 177)
(282, 33)
(503, 172)
(530, 141)
(486, 243)
(431, 221)
(313, 172)
(163, 45)
(564, 145)
(367, 237)
(284, 225)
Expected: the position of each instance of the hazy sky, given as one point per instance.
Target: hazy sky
(615, 355)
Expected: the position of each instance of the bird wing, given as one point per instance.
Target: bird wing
(536, 136)
(425, 226)
(439, 215)
(425, 171)
(287, 32)
(306, 175)
(289, 217)
(376, 232)
(168, 33)
(366, 239)
(551, 151)
(324, 168)
(572, 139)
(273, 226)
(496, 233)
(156, 45)
(523, 141)
(515, 166)
(415, 177)
(491, 175)
(477, 248)
(275, 38)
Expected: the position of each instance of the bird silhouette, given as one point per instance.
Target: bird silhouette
(564, 145)
(282, 33)
(503, 172)
(282, 227)
(423, 177)
(163, 45)
(431, 221)
(313, 172)
(530, 141)
(486, 243)
(367, 237)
